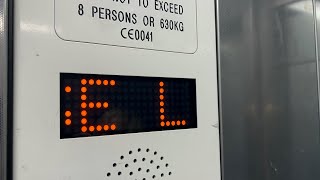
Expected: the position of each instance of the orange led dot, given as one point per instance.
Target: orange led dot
(83, 82)
(106, 127)
(173, 123)
(91, 128)
(161, 84)
(162, 117)
(98, 82)
(168, 123)
(98, 104)
(68, 89)
(83, 105)
(178, 123)
(161, 90)
(67, 113)
(83, 89)
(161, 103)
(91, 105)
(162, 124)
(68, 122)
(161, 110)
(113, 127)
(83, 97)
(161, 97)
(105, 105)
(84, 121)
(112, 82)
(84, 129)
(99, 128)
(83, 113)
(183, 122)
(91, 82)
(105, 82)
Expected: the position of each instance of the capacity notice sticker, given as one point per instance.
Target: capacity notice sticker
(166, 25)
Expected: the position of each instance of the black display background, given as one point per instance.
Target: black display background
(134, 104)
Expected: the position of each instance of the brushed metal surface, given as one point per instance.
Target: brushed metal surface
(269, 91)
(3, 89)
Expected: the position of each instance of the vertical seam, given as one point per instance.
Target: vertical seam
(314, 4)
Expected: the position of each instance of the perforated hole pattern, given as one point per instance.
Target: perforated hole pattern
(140, 164)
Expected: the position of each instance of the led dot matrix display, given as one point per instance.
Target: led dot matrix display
(95, 105)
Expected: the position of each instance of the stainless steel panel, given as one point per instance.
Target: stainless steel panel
(268, 90)
(3, 89)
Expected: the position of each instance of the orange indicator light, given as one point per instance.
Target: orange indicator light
(83, 105)
(161, 84)
(162, 123)
(161, 97)
(161, 90)
(98, 104)
(83, 97)
(98, 82)
(161, 110)
(106, 127)
(83, 113)
(162, 117)
(83, 89)
(91, 128)
(105, 82)
(84, 121)
(68, 89)
(161, 103)
(67, 113)
(91, 82)
(68, 122)
(184, 122)
(105, 105)
(83, 82)
(168, 123)
(91, 105)
(113, 127)
(178, 123)
(173, 123)
(112, 82)
(84, 129)
(99, 128)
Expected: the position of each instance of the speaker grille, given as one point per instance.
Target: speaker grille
(140, 164)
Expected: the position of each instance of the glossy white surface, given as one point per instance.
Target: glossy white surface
(40, 55)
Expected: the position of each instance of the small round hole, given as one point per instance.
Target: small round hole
(114, 164)
(167, 165)
(144, 179)
(143, 159)
(170, 173)
(155, 153)
(130, 152)
(135, 160)
(126, 165)
(108, 174)
(139, 150)
(151, 161)
(147, 150)
(162, 175)
(158, 167)
(131, 173)
(147, 170)
(119, 173)
(161, 158)
(121, 157)
(154, 176)
(139, 169)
